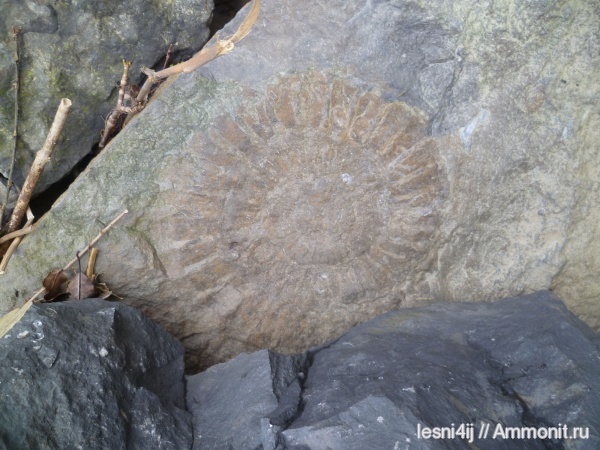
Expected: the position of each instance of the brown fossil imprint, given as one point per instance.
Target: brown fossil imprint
(316, 195)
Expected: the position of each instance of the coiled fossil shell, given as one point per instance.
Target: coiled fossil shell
(315, 201)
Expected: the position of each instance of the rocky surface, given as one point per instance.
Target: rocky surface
(12, 200)
(346, 159)
(91, 374)
(238, 404)
(518, 362)
(74, 49)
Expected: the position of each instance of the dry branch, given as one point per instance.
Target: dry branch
(215, 48)
(14, 244)
(86, 248)
(168, 56)
(113, 117)
(96, 239)
(41, 159)
(208, 53)
(124, 83)
(78, 276)
(22, 232)
(89, 271)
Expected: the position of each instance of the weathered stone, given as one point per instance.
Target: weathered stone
(346, 159)
(91, 374)
(518, 362)
(12, 200)
(512, 87)
(74, 49)
(229, 400)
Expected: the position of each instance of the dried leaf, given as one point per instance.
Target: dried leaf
(54, 284)
(87, 287)
(104, 292)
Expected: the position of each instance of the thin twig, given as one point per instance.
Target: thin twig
(89, 271)
(8, 254)
(124, 83)
(96, 239)
(213, 49)
(14, 244)
(207, 54)
(15, 234)
(113, 117)
(41, 159)
(168, 56)
(86, 248)
(78, 276)
(9, 183)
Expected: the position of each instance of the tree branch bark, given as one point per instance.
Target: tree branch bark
(208, 53)
(42, 158)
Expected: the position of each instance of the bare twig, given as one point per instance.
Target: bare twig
(96, 239)
(168, 56)
(215, 48)
(9, 183)
(109, 126)
(22, 232)
(89, 271)
(14, 244)
(78, 276)
(8, 254)
(124, 83)
(86, 248)
(113, 117)
(41, 159)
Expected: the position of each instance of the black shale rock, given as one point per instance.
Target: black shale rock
(91, 374)
(518, 362)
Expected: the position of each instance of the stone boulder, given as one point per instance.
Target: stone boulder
(91, 374)
(526, 363)
(237, 404)
(346, 159)
(74, 49)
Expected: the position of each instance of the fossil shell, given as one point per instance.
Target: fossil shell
(314, 202)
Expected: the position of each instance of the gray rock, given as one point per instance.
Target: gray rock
(91, 374)
(518, 362)
(12, 200)
(346, 159)
(74, 49)
(230, 401)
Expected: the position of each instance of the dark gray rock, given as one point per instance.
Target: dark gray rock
(517, 362)
(230, 401)
(91, 374)
(74, 49)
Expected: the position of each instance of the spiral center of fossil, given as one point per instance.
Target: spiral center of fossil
(326, 211)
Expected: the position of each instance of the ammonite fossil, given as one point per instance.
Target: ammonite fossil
(314, 202)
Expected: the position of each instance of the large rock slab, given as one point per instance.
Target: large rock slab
(520, 362)
(91, 374)
(74, 49)
(347, 159)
